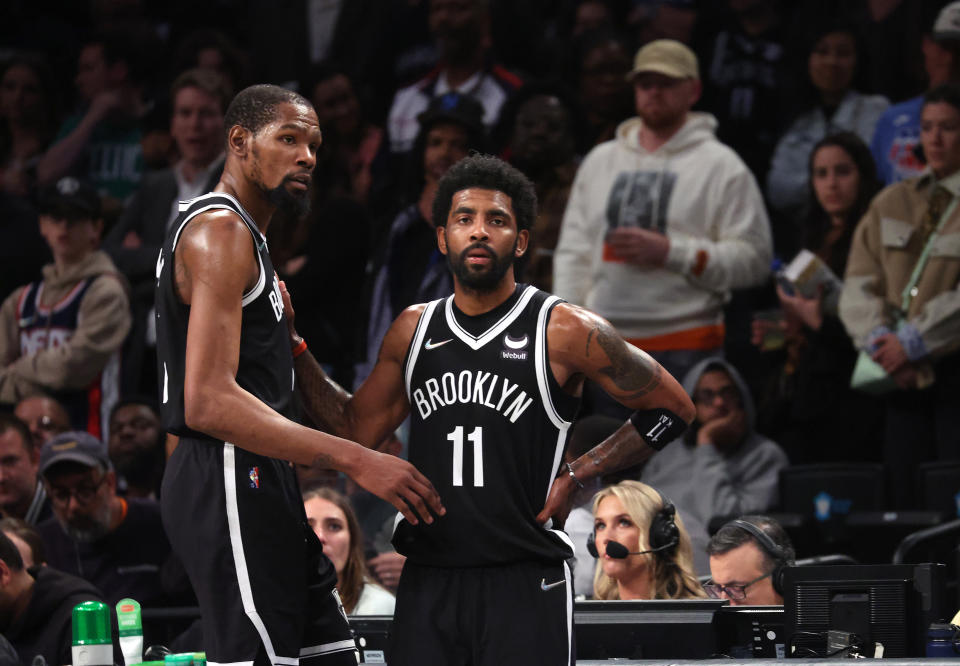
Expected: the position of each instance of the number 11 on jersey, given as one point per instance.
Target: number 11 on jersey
(476, 438)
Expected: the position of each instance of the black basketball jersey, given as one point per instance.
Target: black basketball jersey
(489, 426)
(266, 363)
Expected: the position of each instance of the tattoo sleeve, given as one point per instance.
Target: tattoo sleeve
(624, 448)
(633, 373)
(322, 397)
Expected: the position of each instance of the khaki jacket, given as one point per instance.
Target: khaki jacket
(886, 247)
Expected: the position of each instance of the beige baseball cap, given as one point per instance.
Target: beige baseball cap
(668, 57)
(947, 25)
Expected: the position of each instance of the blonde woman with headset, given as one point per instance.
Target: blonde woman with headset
(642, 547)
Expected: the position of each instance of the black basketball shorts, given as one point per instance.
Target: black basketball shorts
(512, 615)
(265, 589)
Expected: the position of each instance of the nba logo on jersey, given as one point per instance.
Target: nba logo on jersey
(514, 349)
(254, 477)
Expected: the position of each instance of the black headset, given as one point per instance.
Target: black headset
(663, 537)
(779, 555)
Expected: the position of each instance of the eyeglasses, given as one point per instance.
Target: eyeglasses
(727, 393)
(733, 592)
(84, 494)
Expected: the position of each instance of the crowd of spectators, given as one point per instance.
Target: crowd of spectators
(682, 151)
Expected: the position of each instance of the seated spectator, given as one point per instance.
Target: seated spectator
(21, 493)
(101, 143)
(45, 417)
(542, 123)
(900, 299)
(806, 404)
(28, 117)
(409, 268)
(62, 335)
(462, 31)
(199, 100)
(896, 138)
(117, 544)
(658, 558)
(335, 524)
(136, 447)
(36, 607)
(747, 557)
(720, 466)
(833, 106)
(26, 539)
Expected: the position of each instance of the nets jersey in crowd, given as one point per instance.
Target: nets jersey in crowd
(266, 365)
(489, 426)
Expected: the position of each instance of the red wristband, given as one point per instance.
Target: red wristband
(299, 349)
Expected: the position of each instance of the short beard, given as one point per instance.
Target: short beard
(487, 279)
(280, 196)
(285, 202)
(99, 527)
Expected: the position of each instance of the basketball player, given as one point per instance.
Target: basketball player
(491, 378)
(231, 506)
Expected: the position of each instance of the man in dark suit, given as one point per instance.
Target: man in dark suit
(200, 98)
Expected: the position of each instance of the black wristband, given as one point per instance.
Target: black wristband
(658, 427)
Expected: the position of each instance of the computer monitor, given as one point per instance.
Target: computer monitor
(660, 629)
(372, 634)
(747, 632)
(891, 604)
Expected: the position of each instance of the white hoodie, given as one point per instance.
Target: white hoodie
(695, 190)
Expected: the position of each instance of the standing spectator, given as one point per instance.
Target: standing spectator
(722, 466)
(36, 607)
(45, 417)
(914, 336)
(102, 143)
(897, 136)
(200, 98)
(663, 221)
(834, 106)
(21, 493)
(410, 268)
(62, 335)
(462, 31)
(745, 74)
(542, 121)
(136, 447)
(117, 544)
(806, 403)
(28, 114)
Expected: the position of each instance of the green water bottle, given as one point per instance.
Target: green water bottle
(92, 639)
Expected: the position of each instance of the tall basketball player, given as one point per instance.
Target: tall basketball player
(230, 501)
(491, 378)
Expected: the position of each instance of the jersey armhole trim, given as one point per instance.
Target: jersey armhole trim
(414, 351)
(543, 367)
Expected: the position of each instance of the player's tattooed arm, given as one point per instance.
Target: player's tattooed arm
(582, 342)
(323, 399)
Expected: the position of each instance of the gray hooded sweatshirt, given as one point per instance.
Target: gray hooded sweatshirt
(703, 482)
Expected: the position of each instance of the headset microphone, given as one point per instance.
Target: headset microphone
(618, 551)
